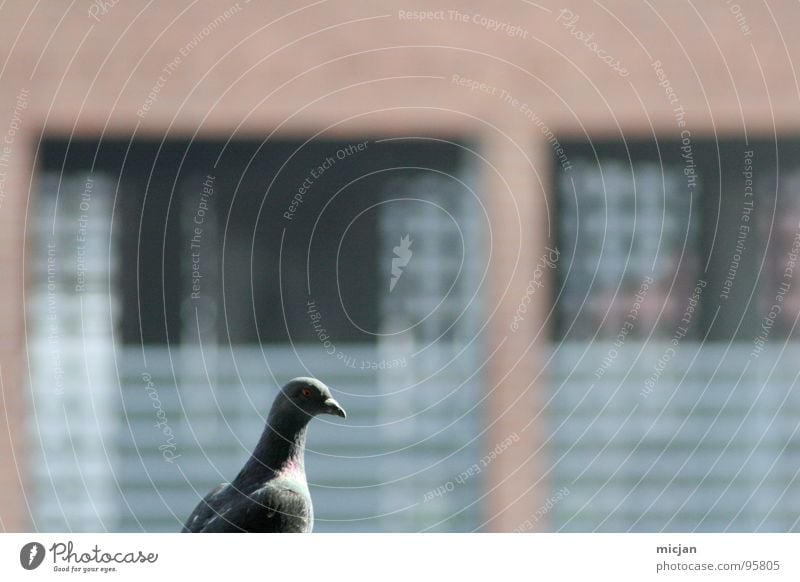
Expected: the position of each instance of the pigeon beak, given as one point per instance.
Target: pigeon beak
(333, 407)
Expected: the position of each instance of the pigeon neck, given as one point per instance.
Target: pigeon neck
(280, 448)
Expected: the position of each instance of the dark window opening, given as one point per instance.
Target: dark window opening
(235, 239)
(643, 225)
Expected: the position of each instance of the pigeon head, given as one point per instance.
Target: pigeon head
(270, 493)
(308, 396)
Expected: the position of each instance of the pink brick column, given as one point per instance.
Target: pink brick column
(14, 514)
(521, 171)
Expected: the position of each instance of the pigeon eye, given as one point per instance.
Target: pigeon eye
(306, 392)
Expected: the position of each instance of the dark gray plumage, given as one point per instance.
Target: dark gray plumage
(270, 493)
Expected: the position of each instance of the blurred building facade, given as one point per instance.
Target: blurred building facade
(629, 392)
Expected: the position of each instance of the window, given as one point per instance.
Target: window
(629, 213)
(674, 367)
(222, 269)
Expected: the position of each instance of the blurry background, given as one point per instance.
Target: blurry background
(544, 254)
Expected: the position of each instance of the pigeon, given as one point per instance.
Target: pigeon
(270, 494)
